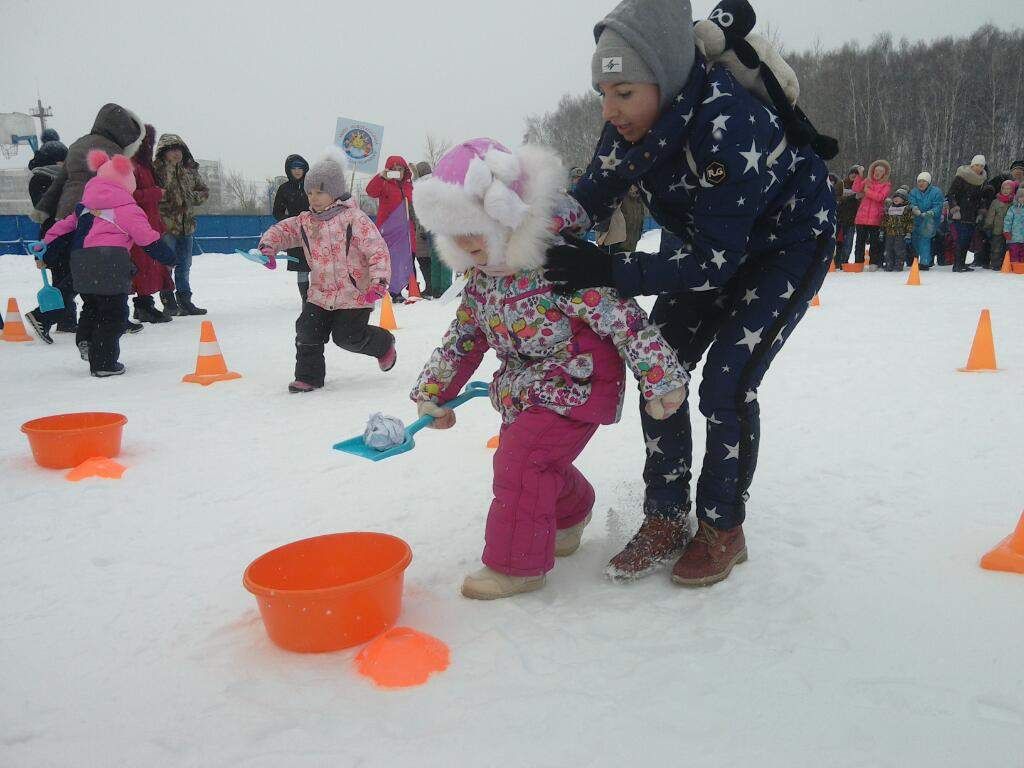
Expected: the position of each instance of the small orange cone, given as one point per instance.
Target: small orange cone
(832, 266)
(210, 365)
(915, 274)
(14, 328)
(815, 302)
(414, 288)
(1009, 555)
(494, 442)
(1007, 269)
(387, 314)
(983, 350)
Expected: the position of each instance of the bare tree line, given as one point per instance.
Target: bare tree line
(922, 106)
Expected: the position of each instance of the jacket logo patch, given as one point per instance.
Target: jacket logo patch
(716, 174)
(611, 64)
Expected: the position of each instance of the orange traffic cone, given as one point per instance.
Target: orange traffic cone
(983, 351)
(815, 302)
(1007, 269)
(387, 314)
(1009, 555)
(915, 274)
(414, 289)
(832, 266)
(14, 328)
(210, 365)
(494, 442)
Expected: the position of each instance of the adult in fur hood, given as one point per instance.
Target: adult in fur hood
(116, 130)
(493, 213)
(965, 197)
(755, 214)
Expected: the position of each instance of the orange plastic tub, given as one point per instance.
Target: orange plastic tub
(853, 267)
(64, 441)
(1017, 268)
(330, 592)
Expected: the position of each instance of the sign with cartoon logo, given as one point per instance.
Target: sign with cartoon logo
(361, 142)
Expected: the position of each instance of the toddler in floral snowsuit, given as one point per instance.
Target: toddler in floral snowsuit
(494, 213)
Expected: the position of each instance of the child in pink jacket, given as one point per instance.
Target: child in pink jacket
(349, 272)
(872, 190)
(103, 229)
(562, 373)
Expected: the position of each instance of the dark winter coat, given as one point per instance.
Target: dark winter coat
(42, 177)
(291, 200)
(966, 193)
(719, 175)
(846, 208)
(116, 131)
(50, 153)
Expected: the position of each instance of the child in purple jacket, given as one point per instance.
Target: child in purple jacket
(562, 373)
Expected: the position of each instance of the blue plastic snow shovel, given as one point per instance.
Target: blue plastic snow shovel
(261, 259)
(357, 447)
(49, 298)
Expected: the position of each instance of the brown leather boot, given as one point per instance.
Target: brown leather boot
(711, 556)
(659, 540)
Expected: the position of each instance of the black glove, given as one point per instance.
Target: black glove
(577, 264)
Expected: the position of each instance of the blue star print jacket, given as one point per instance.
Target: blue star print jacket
(717, 173)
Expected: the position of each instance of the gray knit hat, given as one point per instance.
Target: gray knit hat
(646, 41)
(329, 174)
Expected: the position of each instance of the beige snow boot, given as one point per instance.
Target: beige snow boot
(567, 541)
(486, 584)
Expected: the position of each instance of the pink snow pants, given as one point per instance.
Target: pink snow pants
(537, 490)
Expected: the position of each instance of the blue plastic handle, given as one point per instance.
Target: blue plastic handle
(473, 390)
(38, 256)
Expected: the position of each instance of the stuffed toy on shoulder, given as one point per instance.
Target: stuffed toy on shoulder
(727, 37)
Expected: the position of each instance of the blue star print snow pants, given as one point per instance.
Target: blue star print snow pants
(742, 327)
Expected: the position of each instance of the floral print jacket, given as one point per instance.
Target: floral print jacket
(564, 353)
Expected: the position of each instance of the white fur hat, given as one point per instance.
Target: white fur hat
(979, 160)
(924, 176)
(481, 187)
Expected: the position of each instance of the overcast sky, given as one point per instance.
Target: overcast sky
(250, 82)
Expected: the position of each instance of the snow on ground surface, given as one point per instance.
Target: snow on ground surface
(861, 633)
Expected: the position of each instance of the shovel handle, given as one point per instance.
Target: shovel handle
(46, 283)
(473, 390)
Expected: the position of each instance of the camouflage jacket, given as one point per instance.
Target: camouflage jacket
(183, 186)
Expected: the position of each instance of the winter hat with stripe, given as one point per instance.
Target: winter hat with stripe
(329, 174)
(658, 33)
(481, 187)
(117, 169)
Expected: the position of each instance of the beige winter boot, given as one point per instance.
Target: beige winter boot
(486, 584)
(567, 541)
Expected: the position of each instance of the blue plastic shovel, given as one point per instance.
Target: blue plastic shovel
(49, 298)
(357, 447)
(261, 259)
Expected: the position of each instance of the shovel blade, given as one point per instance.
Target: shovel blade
(357, 447)
(50, 299)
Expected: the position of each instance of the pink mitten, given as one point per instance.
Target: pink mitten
(374, 294)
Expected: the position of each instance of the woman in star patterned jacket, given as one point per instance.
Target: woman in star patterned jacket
(748, 227)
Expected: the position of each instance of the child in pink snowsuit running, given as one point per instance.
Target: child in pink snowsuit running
(494, 213)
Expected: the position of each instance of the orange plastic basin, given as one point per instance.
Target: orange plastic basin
(330, 592)
(1017, 268)
(853, 267)
(64, 441)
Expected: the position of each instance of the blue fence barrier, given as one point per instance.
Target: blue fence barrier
(214, 234)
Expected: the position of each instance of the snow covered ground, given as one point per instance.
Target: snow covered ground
(860, 634)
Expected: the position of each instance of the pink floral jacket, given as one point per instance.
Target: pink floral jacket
(564, 353)
(340, 271)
